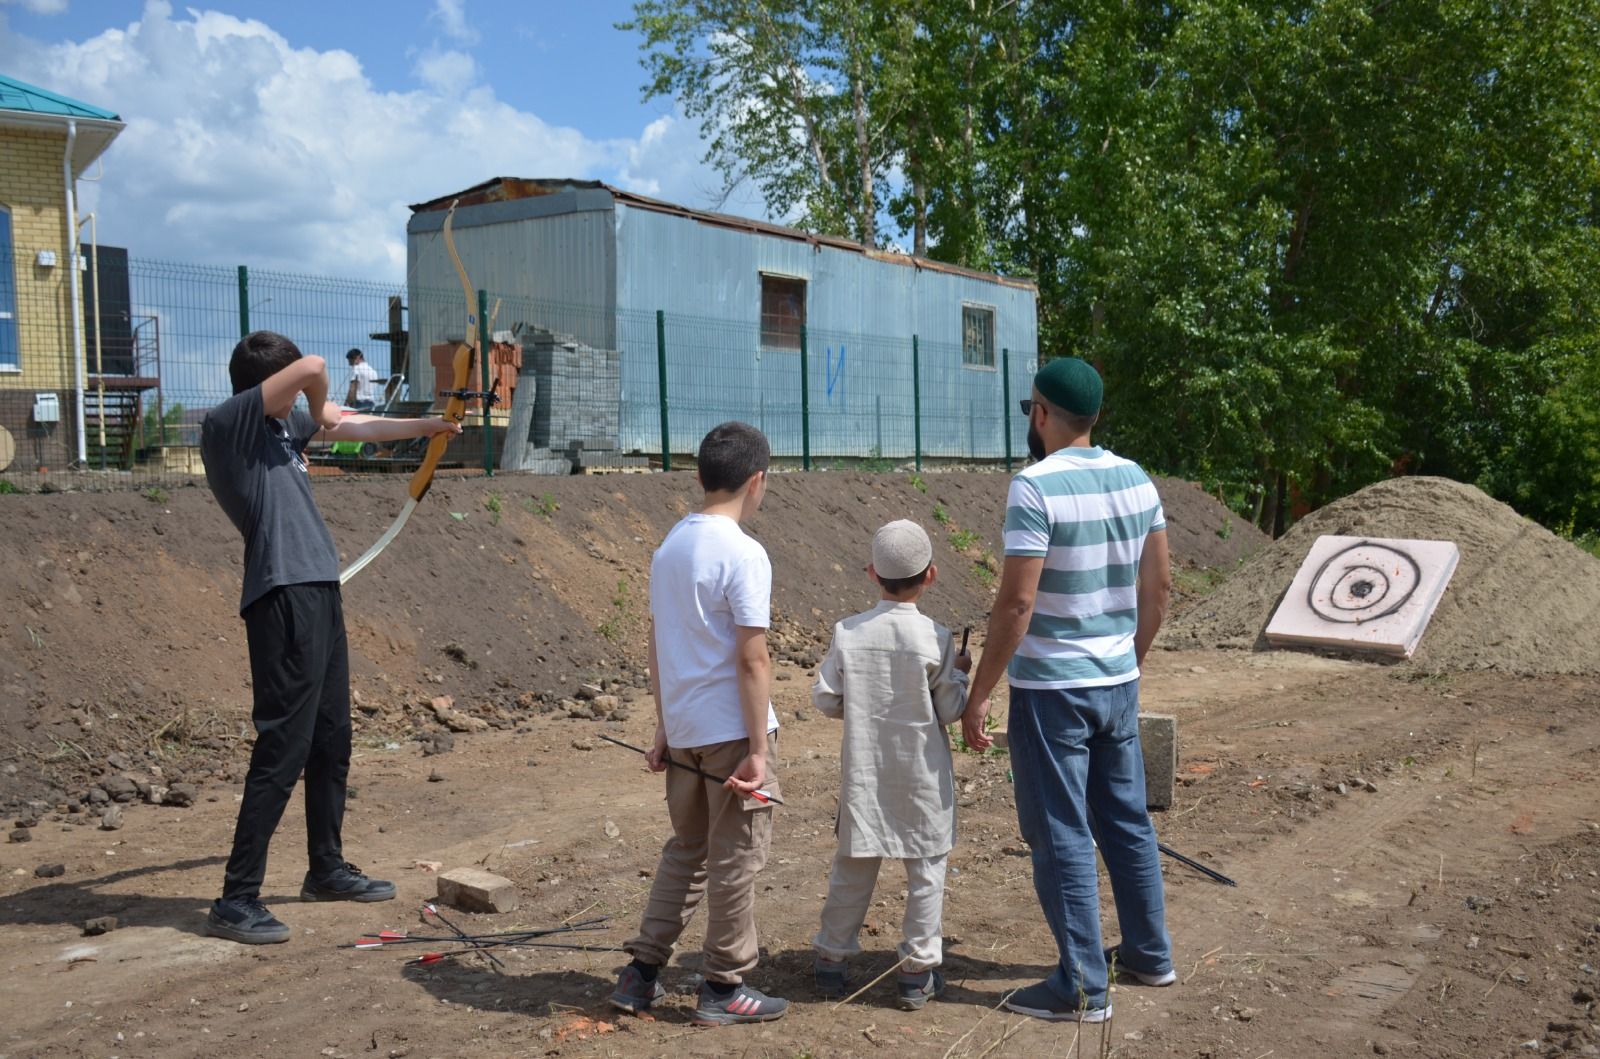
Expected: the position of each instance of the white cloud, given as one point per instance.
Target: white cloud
(446, 71)
(38, 7)
(452, 16)
(665, 163)
(242, 148)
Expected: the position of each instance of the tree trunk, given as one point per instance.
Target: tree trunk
(867, 206)
(813, 138)
(919, 192)
(1271, 498)
(1296, 250)
(968, 161)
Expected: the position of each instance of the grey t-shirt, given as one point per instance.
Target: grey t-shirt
(258, 475)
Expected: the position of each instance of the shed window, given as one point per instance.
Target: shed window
(9, 359)
(783, 312)
(977, 336)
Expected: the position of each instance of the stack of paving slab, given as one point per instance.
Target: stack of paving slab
(566, 412)
(519, 453)
(577, 403)
(599, 460)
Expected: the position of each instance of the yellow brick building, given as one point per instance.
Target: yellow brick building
(47, 141)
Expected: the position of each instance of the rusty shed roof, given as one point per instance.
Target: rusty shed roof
(510, 189)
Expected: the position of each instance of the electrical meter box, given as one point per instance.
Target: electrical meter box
(46, 408)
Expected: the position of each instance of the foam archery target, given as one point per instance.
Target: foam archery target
(1363, 594)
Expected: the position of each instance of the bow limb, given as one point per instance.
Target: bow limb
(455, 410)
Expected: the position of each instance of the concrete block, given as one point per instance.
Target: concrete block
(1158, 738)
(476, 890)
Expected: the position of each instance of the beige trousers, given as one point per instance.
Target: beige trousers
(850, 893)
(719, 843)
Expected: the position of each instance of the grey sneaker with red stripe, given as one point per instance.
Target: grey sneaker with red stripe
(744, 1004)
(635, 993)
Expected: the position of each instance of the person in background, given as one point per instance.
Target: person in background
(362, 393)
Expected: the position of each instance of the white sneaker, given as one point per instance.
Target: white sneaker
(1119, 969)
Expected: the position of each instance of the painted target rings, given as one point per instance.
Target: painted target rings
(1363, 582)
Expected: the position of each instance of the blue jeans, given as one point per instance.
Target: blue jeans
(1079, 779)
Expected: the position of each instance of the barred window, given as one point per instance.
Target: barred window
(783, 312)
(977, 336)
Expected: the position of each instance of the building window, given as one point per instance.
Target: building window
(783, 312)
(9, 355)
(977, 336)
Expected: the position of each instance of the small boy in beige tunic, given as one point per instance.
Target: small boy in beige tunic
(896, 678)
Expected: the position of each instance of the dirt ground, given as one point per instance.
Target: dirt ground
(1416, 851)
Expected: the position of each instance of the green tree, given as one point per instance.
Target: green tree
(1309, 244)
(155, 432)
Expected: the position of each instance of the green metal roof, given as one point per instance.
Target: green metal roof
(18, 95)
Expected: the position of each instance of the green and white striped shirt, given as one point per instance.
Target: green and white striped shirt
(1087, 512)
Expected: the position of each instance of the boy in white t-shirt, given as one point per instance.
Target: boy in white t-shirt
(710, 604)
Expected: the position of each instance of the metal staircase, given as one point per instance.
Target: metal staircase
(113, 404)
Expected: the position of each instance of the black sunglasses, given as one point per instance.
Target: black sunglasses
(1027, 407)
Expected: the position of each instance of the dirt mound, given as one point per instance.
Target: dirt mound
(512, 595)
(1201, 531)
(1522, 600)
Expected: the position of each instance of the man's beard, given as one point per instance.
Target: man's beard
(1035, 443)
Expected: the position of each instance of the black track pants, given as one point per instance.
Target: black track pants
(300, 671)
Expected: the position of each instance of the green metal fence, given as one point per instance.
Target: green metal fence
(577, 386)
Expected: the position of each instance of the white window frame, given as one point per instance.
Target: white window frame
(8, 258)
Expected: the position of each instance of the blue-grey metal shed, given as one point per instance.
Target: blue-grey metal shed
(738, 299)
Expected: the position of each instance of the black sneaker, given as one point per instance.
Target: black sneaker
(917, 989)
(830, 976)
(345, 883)
(1041, 1002)
(634, 994)
(744, 1004)
(246, 921)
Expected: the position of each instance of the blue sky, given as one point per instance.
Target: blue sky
(292, 135)
(536, 55)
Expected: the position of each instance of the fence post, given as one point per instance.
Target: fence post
(244, 300)
(916, 400)
(483, 365)
(661, 388)
(805, 405)
(1005, 401)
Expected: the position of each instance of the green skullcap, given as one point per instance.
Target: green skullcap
(1072, 385)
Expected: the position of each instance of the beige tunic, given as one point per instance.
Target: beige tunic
(890, 675)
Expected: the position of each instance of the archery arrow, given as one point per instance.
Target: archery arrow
(761, 795)
(455, 410)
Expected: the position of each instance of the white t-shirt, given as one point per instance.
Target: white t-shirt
(707, 579)
(364, 376)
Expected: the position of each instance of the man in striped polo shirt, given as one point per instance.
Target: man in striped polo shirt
(1083, 591)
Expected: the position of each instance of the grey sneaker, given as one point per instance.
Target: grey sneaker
(635, 995)
(1119, 969)
(246, 921)
(744, 1004)
(917, 989)
(830, 976)
(1041, 1002)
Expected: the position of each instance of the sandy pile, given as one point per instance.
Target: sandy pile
(1201, 531)
(1522, 600)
